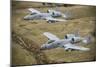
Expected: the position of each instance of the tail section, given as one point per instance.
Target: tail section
(86, 40)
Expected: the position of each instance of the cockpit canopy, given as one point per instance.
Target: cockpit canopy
(33, 13)
(50, 41)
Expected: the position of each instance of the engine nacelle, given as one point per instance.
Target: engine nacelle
(54, 13)
(72, 38)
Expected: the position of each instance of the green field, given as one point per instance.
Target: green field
(83, 19)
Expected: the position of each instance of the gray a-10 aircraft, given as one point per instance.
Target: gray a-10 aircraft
(49, 16)
(68, 43)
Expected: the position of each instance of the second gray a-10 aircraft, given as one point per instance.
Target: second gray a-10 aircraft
(68, 43)
(50, 16)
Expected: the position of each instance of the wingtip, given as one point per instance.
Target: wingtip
(86, 49)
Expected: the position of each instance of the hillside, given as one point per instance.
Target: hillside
(83, 19)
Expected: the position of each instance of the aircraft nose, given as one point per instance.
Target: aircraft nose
(26, 18)
(43, 47)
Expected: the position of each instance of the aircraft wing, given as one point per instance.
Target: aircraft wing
(54, 19)
(75, 47)
(51, 36)
(33, 10)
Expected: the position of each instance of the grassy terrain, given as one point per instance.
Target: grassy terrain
(82, 19)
